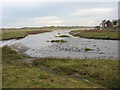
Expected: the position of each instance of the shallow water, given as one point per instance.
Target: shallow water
(74, 47)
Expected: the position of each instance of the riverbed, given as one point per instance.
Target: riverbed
(39, 47)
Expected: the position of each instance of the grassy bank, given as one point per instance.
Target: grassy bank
(97, 34)
(56, 73)
(17, 33)
(101, 72)
(21, 75)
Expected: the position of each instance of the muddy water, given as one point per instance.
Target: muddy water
(37, 46)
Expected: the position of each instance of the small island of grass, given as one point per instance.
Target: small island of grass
(58, 41)
(63, 36)
(88, 49)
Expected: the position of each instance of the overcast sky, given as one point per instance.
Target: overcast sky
(43, 13)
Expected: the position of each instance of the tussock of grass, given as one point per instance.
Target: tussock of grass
(63, 36)
(88, 49)
(58, 41)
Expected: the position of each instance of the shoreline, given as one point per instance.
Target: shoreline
(101, 35)
(25, 34)
(83, 56)
(77, 68)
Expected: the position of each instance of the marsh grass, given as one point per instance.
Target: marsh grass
(18, 34)
(102, 72)
(88, 49)
(16, 74)
(57, 41)
(63, 36)
(97, 34)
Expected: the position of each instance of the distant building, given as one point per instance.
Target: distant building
(119, 15)
(103, 24)
(106, 25)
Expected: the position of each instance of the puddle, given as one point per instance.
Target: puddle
(79, 77)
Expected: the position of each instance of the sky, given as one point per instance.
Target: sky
(38, 13)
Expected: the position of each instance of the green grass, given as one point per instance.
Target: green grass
(102, 72)
(17, 33)
(88, 49)
(57, 41)
(26, 77)
(97, 34)
(11, 56)
(63, 36)
(16, 74)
